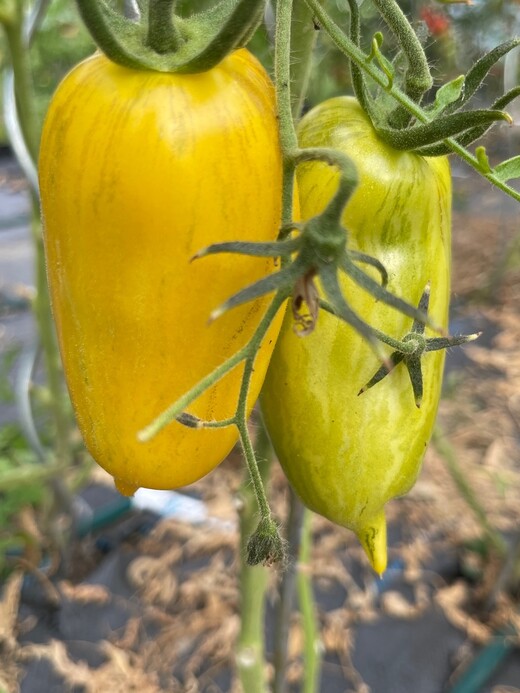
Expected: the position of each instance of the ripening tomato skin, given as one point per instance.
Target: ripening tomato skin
(138, 172)
(347, 455)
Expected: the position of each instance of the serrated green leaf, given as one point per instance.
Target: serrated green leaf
(507, 170)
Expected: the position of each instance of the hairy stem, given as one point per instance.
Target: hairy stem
(357, 56)
(312, 645)
(417, 77)
(287, 591)
(303, 40)
(282, 75)
(253, 581)
(163, 36)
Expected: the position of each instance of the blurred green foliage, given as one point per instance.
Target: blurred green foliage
(61, 42)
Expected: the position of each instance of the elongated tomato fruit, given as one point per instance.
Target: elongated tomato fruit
(347, 454)
(139, 171)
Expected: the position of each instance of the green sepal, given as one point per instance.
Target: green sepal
(479, 72)
(202, 40)
(473, 134)
(419, 346)
(420, 136)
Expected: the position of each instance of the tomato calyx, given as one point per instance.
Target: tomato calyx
(319, 250)
(448, 113)
(265, 546)
(156, 38)
(411, 350)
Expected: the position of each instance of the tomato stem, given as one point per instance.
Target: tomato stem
(282, 76)
(163, 35)
(287, 592)
(253, 580)
(313, 645)
(303, 41)
(417, 76)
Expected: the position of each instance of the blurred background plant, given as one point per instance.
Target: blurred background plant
(42, 462)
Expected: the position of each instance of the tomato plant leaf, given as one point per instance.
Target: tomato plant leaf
(508, 169)
(479, 71)
(446, 95)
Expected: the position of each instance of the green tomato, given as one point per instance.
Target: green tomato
(347, 454)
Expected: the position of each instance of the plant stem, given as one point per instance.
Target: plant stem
(312, 641)
(347, 47)
(287, 593)
(19, 53)
(247, 446)
(418, 78)
(466, 491)
(253, 582)
(163, 36)
(282, 75)
(303, 40)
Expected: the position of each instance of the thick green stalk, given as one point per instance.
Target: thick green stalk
(417, 77)
(253, 582)
(303, 40)
(163, 36)
(282, 75)
(294, 42)
(287, 592)
(312, 643)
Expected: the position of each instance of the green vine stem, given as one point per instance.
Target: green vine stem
(303, 41)
(163, 35)
(287, 593)
(282, 78)
(447, 452)
(253, 580)
(294, 42)
(312, 644)
(417, 76)
(19, 54)
(357, 56)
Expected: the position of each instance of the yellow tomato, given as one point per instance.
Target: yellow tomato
(347, 454)
(138, 171)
